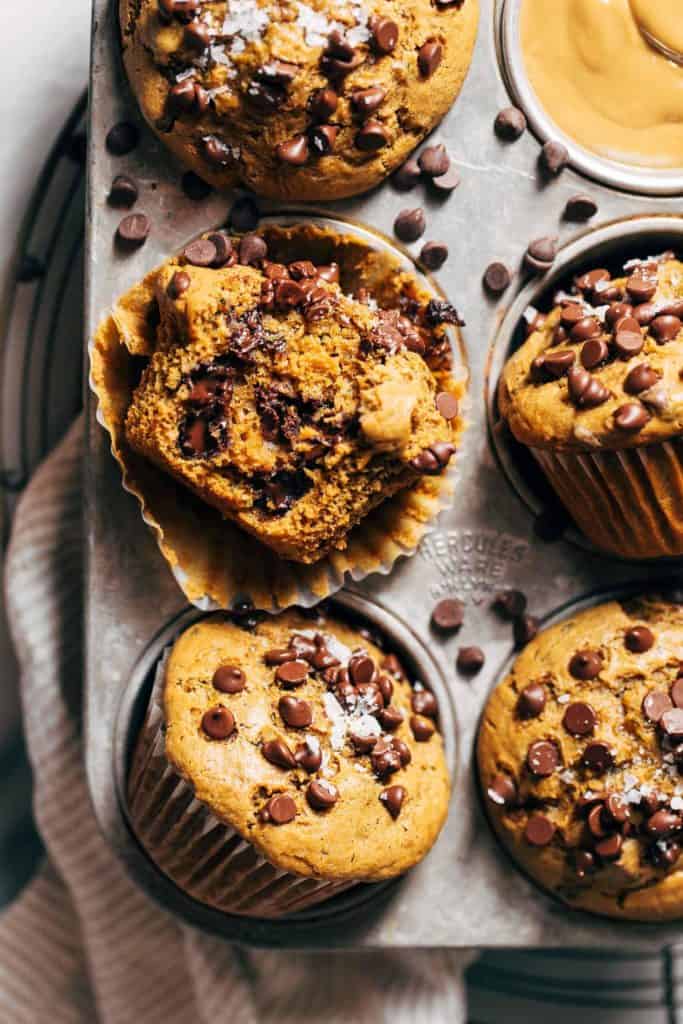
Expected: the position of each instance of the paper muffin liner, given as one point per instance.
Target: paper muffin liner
(627, 502)
(204, 857)
(214, 561)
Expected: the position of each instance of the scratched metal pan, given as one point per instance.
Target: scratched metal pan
(466, 893)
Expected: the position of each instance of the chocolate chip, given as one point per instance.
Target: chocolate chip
(510, 124)
(322, 138)
(584, 329)
(677, 692)
(422, 728)
(553, 365)
(182, 10)
(321, 795)
(666, 328)
(279, 810)
(446, 183)
(434, 255)
(594, 353)
(639, 639)
(429, 57)
(295, 713)
(340, 58)
(372, 136)
(586, 392)
(496, 278)
(218, 723)
(385, 759)
(308, 755)
(123, 192)
(539, 830)
(403, 751)
(229, 679)
(524, 629)
(223, 246)
(216, 152)
(178, 284)
(133, 230)
(278, 753)
(292, 673)
(470, 660)
(628, 341)
(322, 104)
(390, 718)
(294, 151)
(447, 405)
(645, 313)
(407, 176)
(672, 723)
(554, 157)
(448, 615)
(580, 207)
(509, 604)
(386, 687)
(617, 311)
(542, 758)
(433, 460)
(434, 161)
(631, 417)
(362, 669)
(252, 250)
(393, 799)
(122, 138)
(367, 101)
(585, 665)
(663, 822)
(502, 791)
(598, 757)
(579, 719)
(655, 703)
(423, 702)
(540, 254)
(531, 701)
(640, 288)
(610, 848)
(197, 36)
(384, 34)
(598, 821)
(200, 253)
(392, 665)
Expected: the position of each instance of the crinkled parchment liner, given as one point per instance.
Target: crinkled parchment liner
(214, 561)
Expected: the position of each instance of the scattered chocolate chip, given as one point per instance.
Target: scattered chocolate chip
(510, 124)
(384, 34)
(367, 101)
(385, 759)
(598, 821)
(178, 284)
(308, 755)
(677, 692)
(423, 702)
(645, 313)
(639, 639)
(543, 758)
(509, 604)
(580, 207)
(321, 795)
(200, 253)
(631, 417)
(586, 392)
(403, 751)
(123, 192)
(446, 183)
(531, 701)
(279, 810)
(362, 669)
(663, 822)
(429, 57)
(470, 660)
(295, 713)
(433, 460)
(539, 830)
(617, 311)
(585, 665)
(598, 757)
(524, 629)
(422, 728)
(229, 679)
(554, 157)
(655, 703)
(393, 799)
(641, 289)
(322, 104)
(496, 278)
(252, 250)
(434, 255)
(372, 136)
(340, 58)
(610, 848)
(122, 138)
(540, 254)
(447, 405)
(218, 723)
(502, 791)
(579, 719)
(133, 230)
(628, 340)
(390, 718)
(322, 138)
(553, 365)
(292, 673)
(594, 353)
(407, 176)
(666, 328)
(223, 246)
(278, 753)
(386, 687)
(584, 329)
(672, 723)
(434, 161)
(294, 152)
(448, 615)
(197, 36)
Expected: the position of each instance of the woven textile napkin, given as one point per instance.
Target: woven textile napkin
(82, 944)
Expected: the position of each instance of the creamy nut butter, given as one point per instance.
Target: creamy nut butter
(600, 80)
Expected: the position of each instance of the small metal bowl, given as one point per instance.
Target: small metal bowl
(630, 178)
(348, 912)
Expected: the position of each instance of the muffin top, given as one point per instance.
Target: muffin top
(288, 405)
(304, 100)
(602, 369)
(310, 741)
(580, 751)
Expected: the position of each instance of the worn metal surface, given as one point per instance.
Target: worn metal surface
(466, 893)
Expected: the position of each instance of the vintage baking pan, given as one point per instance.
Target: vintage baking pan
(466, 892)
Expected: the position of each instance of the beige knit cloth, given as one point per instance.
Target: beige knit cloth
(82, 944)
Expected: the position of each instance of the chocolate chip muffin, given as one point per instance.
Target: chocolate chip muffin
(297, 100)
(286, 405)
(580, 753)
(595, 392)
(283, 764)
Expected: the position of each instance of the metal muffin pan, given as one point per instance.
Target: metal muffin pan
(466, 892)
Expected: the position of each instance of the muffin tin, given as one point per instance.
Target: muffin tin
(466, 892)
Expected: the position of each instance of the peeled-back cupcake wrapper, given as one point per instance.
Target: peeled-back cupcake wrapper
(627, 502)
(213, 560)
(206, 858)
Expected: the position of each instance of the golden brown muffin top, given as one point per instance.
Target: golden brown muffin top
(298, 98)
(580, 752)
(602, 369)
(310, 741)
